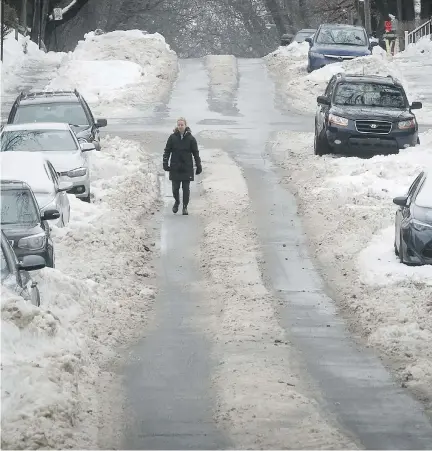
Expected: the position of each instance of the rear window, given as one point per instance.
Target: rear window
(38, 140)
(424, 197)
(71, 113)
(369, 94)
(18, 207)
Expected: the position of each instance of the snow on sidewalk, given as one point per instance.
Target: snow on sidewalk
(351, 200)
(264, 399)
(119, 71)
(93, 302)
(299, 90)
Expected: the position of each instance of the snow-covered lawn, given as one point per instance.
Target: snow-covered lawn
(93, 302)
(119, 71)
(223, 74)
(351, 201)
(259, 380)
(297, 89)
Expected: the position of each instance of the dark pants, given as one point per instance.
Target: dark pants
(186, 191)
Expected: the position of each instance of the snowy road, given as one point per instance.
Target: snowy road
(179, 373)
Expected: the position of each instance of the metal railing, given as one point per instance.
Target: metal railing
(411, 37)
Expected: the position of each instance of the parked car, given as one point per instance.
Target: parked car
(413, 222)
(334, 43)
(299, 37)
(58, 106)
(35, 170)
(15, 274)
(59, 144)
(26, 228)
(364, 115)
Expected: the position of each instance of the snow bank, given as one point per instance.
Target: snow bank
(93, 302)
(223, 74)
(18, 52)
(421, 48)
(119, 71)
(297, 89)
(351, 200)
(259, 381)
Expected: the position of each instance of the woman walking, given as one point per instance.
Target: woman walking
(181, 147)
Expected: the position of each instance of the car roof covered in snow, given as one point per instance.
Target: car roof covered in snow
(341, 25)
(382, 79)
(37, 126)
(28, 167)
(50, 99)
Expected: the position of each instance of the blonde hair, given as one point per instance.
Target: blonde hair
(180, 119)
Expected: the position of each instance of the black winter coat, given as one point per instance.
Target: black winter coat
(181, 152)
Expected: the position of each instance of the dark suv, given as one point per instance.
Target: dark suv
(58, 106)
(22, 222)
(361, 114)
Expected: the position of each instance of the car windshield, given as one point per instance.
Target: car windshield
(70, 113)
(369, 94)
(18, 207)
(37, 140)
(302, 35)
(342, 36)
(424, 197)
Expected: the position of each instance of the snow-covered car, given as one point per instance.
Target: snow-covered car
(26, 228)
(59, 144)
(15, 274)
(58, 106)
(35, 170)
(413, 222)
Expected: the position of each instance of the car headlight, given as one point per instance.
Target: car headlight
(79, 172)
(421, 226)
(33, 242)
(316, 55)
(410, 123)
(337, 120)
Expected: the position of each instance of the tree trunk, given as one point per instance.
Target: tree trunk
(35, 23)
(44, 19)
(273, 8)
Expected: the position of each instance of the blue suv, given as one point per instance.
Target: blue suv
(333, 43)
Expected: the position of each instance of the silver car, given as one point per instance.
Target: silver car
(35, 170)
(59, 144)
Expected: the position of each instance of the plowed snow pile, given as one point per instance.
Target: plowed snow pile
(119, 71)
(351, 200)
(95, 300)
(264, 398)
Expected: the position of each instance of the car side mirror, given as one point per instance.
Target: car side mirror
(101, 123)
(49, 215)
(416, 106)
(65, 186)
(401, 201)
(310, 41)
(373, 44)
(323, 100)
(86, 147)
(31, 263)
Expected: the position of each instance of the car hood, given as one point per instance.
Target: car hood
(341, 50)
(65, 161)
(371, 113)
(17, 231)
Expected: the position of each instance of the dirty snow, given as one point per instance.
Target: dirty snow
(259, 382)
(97, 298)
(351, 200)
(223, 79)
(119, 71)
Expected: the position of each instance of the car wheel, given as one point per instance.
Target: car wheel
(321, 146)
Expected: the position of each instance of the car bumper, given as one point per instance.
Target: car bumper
(418, 247)
(316, 63)
(342, 140)
(81, 185)
(20, 253)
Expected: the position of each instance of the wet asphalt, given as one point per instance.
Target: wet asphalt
(169, 397)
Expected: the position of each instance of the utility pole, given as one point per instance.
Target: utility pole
(367, 16)
(2, 22)
(24, 15)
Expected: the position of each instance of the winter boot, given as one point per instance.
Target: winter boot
(175, 207)
(185, 210)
